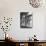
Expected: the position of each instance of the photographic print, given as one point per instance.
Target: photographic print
(25, 20)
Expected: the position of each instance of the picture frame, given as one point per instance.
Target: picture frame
(26, 20)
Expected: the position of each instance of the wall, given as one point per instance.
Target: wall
(12, 8)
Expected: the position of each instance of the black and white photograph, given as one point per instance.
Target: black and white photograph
(25, 20)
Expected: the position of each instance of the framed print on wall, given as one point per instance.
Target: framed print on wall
(26, 20)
